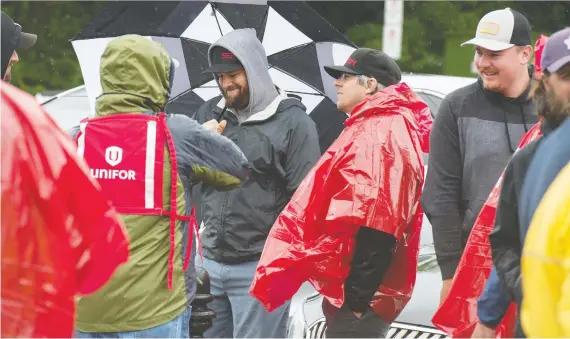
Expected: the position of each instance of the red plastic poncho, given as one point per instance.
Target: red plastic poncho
(60, 237)
(457, 315)
(371, 175)
(538, 47)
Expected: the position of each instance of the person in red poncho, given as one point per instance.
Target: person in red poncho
(353, 226)
(60, 237)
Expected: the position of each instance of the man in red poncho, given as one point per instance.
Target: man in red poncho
(60, 237)
(352, 228)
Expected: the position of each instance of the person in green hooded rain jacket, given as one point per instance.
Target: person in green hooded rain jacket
(136, 77)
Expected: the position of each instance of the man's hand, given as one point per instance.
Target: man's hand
(214, 126)
(445, 290)
(482, 331)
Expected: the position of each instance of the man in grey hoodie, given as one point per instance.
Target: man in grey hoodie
(281, 144)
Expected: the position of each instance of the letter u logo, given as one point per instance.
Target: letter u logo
(113, 155)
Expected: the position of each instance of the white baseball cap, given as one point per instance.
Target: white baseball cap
(502, 29)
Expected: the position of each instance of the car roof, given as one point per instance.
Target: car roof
(443, 84)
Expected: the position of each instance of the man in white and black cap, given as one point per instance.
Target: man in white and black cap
(477, 130)
(13, 38)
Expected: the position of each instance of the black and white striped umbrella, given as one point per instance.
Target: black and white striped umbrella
(297, 41)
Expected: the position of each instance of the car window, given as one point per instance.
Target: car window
(431, 100)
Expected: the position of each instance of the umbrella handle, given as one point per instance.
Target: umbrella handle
(222, 114)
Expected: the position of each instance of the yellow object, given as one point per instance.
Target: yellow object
(546, 264)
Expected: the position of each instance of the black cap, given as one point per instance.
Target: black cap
(223, 61)
(12, 33)
(371, 63)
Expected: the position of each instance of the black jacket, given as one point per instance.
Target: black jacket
(281, 145)
(371, 259)
(507, 237)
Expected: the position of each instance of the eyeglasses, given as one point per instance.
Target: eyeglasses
(345, 76)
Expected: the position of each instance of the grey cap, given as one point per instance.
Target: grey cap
(556, 53)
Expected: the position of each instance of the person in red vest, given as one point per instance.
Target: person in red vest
(146, 162)
(352, 228)
(60, 236)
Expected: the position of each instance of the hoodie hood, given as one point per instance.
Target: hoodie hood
(245, 45)
(136, 76)
(398, 99)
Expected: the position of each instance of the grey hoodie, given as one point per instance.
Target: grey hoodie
(243, 43)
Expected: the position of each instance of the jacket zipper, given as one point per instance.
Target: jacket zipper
(224, 205)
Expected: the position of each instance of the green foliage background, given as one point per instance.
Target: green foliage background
(433, 31)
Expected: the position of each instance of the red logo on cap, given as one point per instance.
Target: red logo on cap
(351, 61)
(227, 55)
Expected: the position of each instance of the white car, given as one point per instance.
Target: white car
(306, 318)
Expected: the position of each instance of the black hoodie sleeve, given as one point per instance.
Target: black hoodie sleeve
(441, 198)
(505, 237)
(303, 149)
(371, 259)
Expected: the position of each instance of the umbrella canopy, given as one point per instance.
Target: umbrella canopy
(297, 41)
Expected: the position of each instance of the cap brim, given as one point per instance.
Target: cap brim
(558, 64)
(337, 71)
(222, 68)
(492, 45)
(27, 40)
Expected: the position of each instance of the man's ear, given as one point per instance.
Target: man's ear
(526, 53)
(371, 86)
(546, 82)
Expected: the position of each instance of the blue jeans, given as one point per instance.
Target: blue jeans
(179, 327)
(238, 314)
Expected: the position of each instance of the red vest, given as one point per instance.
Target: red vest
(125, 153)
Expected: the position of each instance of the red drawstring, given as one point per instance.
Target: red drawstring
(192, 223)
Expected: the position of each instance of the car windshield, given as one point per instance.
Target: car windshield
(69, 108)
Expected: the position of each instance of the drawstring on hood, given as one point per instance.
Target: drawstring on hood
(518, 101)
(247, 48)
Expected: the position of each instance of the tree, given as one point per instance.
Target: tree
(51, 63)
(433, 31)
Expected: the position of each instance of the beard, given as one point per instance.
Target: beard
(557, 109)
(236, 102)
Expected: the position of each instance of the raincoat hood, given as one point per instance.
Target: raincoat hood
(398, 99)
(245, 45)
(136, 76)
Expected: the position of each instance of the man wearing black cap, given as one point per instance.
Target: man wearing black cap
(372, 69)
(367, 87)
(355, 217)
(13, 38)
(281, 144)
